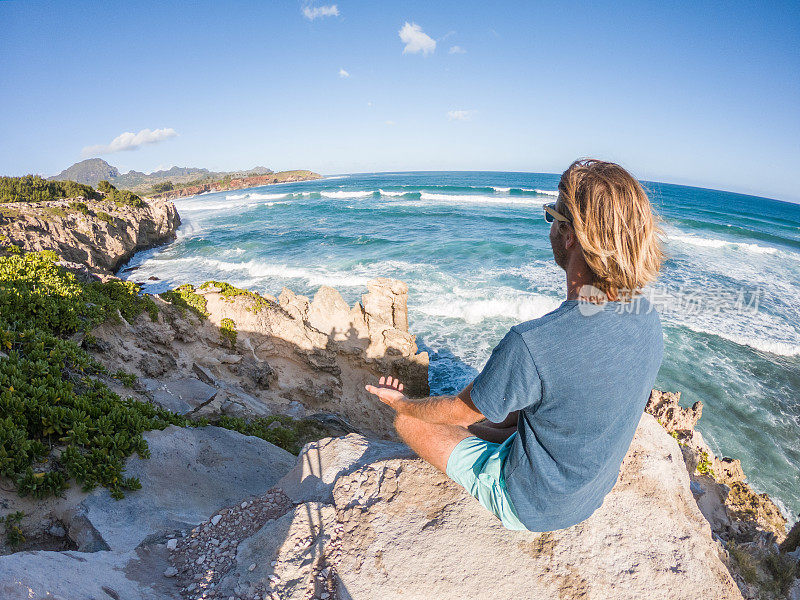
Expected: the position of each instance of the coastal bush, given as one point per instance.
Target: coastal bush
(184, 298)
(164, 186)
(283, 431)
(227, 332)
(229, 292)
(104, 216)
(58, 420)
(13, 532)
(32, 188)
(80, 207)
(121, 197)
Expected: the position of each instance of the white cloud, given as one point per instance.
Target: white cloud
(315, 12)
(460, 115)
(131, 141)
(343, 74)
(416, 40)
(456, 50)
(390, 123)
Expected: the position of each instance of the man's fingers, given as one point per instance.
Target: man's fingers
(400, 387)
(381, 380)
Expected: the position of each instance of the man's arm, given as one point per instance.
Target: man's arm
(445, 410)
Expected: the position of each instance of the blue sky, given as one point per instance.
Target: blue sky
(698, 93)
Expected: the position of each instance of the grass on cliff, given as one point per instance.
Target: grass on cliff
(229, 292)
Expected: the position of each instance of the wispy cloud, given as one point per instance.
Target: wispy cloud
(390, 123)
(416, 40)
(131, 141)
(456, 50)
(315, 12)
(461, 115)
(343, 74)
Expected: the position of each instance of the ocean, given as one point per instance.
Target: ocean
(474, 250)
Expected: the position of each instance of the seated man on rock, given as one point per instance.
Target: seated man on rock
(563, 393)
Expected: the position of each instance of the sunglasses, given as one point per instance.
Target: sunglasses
(550, 213)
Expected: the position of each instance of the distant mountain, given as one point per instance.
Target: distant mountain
(89, 171)
(94, 170)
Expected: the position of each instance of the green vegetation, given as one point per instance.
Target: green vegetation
(80, 207)
(772, 572)
(227, 332)
(230, 292)
(60, 421)
(32, 188)
(281, 430)
(166, 186)
(11, 522)
(704, 466)
(121, 197)
(104, 216)
(184, 298)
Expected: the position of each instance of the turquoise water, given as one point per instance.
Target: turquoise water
(474, 249)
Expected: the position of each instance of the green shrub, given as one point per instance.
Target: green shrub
(11, 522)
(32, 188)
(227, 332)
(121, 197)
(165, 186)
(289, 434)
(184, 298)
(230, 292)
(104, 216)
(80, 207)
(49, 396)
(704, 466)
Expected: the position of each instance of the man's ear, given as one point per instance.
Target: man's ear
(568, 233)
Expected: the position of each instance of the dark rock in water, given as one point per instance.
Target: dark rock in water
(153, 278)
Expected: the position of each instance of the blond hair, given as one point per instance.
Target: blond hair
(619, 233)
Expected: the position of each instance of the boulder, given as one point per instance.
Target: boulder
(133, 575)
(191, 473)
(408, 531)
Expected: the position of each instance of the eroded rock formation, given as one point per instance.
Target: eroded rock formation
(100, 238)
(316, 355)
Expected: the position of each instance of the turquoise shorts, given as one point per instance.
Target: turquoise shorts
(478, 466)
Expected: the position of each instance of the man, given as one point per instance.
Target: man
(563, 393)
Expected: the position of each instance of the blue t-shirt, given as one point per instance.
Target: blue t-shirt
(580, 376)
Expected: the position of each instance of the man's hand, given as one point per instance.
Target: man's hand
(390, 391)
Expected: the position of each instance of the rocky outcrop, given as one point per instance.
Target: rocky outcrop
(749, 524)
(122, 545)
(239, 183)
(97, 235)
(358, 518)
(288, 353)
(733, 509)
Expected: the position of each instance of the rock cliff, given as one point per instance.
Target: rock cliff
(238, 184)
(93, 234)
(286, 355)
(361, 518)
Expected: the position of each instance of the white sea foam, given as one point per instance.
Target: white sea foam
(344, 194)
(500, 190)
(718, 243)
(477, 199)
(266, 196)
(553, 193)
(391, 194)
(498, 302)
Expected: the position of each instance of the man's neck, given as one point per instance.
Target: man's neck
(578, 275)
